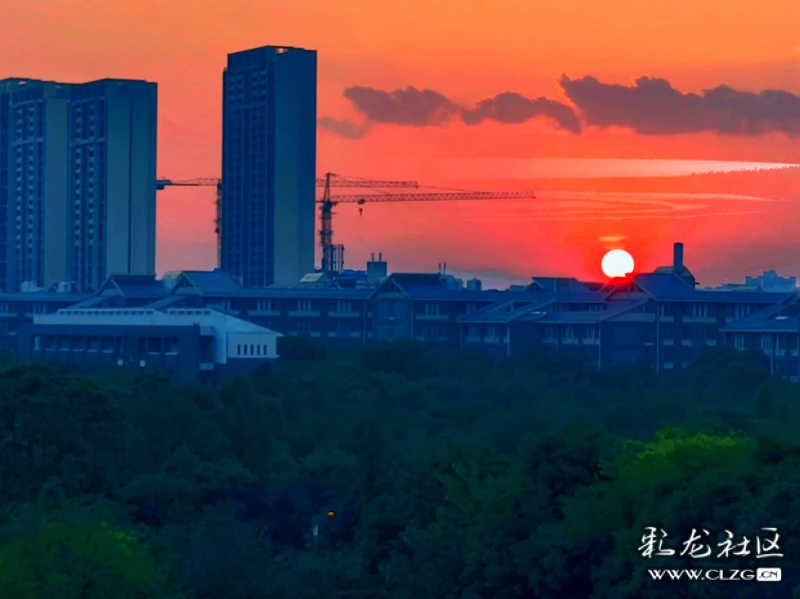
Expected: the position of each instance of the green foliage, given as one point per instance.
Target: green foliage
(55, 555)
(447, 473)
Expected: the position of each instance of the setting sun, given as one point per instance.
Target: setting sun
(617, 263)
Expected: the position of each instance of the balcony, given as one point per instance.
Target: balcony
(434, 317)
(264, 312)
(700, 319)
(350, 314)
(637, 317)
(304, 314)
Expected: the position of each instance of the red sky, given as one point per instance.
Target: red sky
(467, 51)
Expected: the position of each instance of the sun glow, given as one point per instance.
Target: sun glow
(617, 263)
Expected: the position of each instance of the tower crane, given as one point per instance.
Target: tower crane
(328, 202)
(328, 181)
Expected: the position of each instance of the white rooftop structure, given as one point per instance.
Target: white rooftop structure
(232, 336)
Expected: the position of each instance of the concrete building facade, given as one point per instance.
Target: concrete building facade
(269, 165)
(77, 181)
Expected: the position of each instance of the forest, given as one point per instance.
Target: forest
(398, 471)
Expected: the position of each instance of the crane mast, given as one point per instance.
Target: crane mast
(328, 181)
(332, 255)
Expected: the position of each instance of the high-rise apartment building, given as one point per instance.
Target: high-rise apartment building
(77, 181)
(269, 165)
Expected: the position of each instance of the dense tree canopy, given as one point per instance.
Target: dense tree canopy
(399, 471)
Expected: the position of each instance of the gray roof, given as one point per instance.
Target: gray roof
(214, 282)
(784, 317)
(131, 285)
(670, 287)
(45, 296)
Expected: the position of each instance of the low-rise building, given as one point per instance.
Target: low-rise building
(661, 318)
(193, 345)
(775, 331)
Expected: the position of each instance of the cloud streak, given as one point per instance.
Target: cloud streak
(556, 206)
(649, 106)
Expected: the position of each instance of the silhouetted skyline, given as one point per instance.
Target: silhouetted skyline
(522, 83)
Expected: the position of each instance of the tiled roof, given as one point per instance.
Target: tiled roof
(669, 287)
(214, 282)
(297, 293)
(170, 301)
(507, 311)
(559, 284)
(782, 317)
(45, 296)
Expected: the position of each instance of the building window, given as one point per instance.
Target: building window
(265, 350)
(569, 332)
(244, 350)
(766, 342)
(738, 341)
(265, 305)
(590, 332)
(432, 308)
(252, 352)
(700, 310)
(258, 350)
(304, 305)
(239, 349)
(344, 306)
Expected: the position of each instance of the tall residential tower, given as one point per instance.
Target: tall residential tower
(77, 181)
(269, 125)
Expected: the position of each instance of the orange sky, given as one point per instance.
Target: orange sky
(466, 50)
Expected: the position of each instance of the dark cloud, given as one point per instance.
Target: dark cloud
(653, 107)
(510, 108)
(420, 108)
(409, 106)
(343, 127)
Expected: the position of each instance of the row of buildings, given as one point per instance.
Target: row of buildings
(78, 175)
(200, 325)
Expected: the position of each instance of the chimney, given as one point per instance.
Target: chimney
(677, 258)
